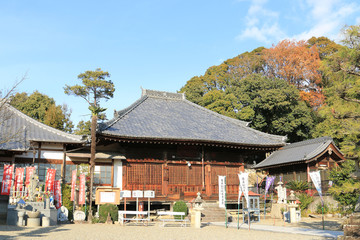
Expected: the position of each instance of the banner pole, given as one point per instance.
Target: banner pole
(238, 214)
(265, 207)
(322, 210)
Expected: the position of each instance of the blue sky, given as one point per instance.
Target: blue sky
(152, 44)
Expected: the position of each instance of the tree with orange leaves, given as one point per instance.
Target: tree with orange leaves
(298, 64)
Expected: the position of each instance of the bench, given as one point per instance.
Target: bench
(144, 214)
(183, 220)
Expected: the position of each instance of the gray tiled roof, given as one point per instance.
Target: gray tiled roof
(21, 129)
(169, 116)
(296, 152)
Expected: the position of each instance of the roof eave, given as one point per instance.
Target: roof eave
(191, 141)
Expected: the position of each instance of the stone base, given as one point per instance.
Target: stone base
(33, 222)
(276, 210)
(45, 222)
(352, 228)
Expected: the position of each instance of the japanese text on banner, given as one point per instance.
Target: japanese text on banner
(19, 179)
(222, 191)
(57, 194)
(82, 189)
(315, 177)
(7, 179)
(73, 184)
(50, 178)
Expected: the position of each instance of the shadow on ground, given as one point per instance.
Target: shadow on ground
(22, 232)
(329, 225)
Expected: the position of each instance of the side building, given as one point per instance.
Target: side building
(27, 142)
(296, 160)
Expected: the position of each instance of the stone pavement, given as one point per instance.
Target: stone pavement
(281, 229)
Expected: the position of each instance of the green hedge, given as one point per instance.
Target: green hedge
(108, 208)
(180, 206)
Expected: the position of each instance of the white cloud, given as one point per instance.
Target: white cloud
(328, 17)
(325, 18)
(261, 24)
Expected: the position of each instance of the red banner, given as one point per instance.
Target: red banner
(82, 189)
(73, 184)
(7, 178)
(19, 179)
(50, 178)
(57, 194)
(29, 172)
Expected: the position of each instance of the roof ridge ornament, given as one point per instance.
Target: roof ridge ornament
(162, 94)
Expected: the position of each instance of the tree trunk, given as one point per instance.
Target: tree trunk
(92, 162)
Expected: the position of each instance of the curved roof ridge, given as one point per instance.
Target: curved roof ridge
(44, 126)
(307, 142)
(237, 121)
(317, 150)
(121, 113)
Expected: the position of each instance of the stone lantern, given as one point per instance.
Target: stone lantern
(292, 207)
(198, 201)
(196, 211)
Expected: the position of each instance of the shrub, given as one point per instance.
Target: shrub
(66, 195)
(108, 208)
(305, 201)
(180, 206)
(297, 186)
(319, 208)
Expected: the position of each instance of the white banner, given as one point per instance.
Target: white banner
(244, 187)
(222, 191)
(315, 177)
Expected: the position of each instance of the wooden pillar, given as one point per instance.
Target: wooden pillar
(202, 168)
(165, 176)
(39, 152)
(112, 173)
(165, 179)
(63, 166)
(208, 188)
(308, 172)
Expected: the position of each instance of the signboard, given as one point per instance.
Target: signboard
(107, 195)
(82, 189)
(7, 178)
(137, 194)
(50, 178)
(222, 191)
(125, 194)
(149, 194)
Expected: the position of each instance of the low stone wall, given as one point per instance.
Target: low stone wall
(329, 200)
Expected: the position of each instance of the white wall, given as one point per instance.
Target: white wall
(118, 173)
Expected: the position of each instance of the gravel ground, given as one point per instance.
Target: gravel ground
(153, 231)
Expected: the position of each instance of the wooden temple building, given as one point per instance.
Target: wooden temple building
(165, 143)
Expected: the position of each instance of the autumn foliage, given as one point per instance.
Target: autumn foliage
(298, 64)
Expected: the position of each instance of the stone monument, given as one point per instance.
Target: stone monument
(62, 214)
(79, 216)
(281, 192)
(33, 187)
